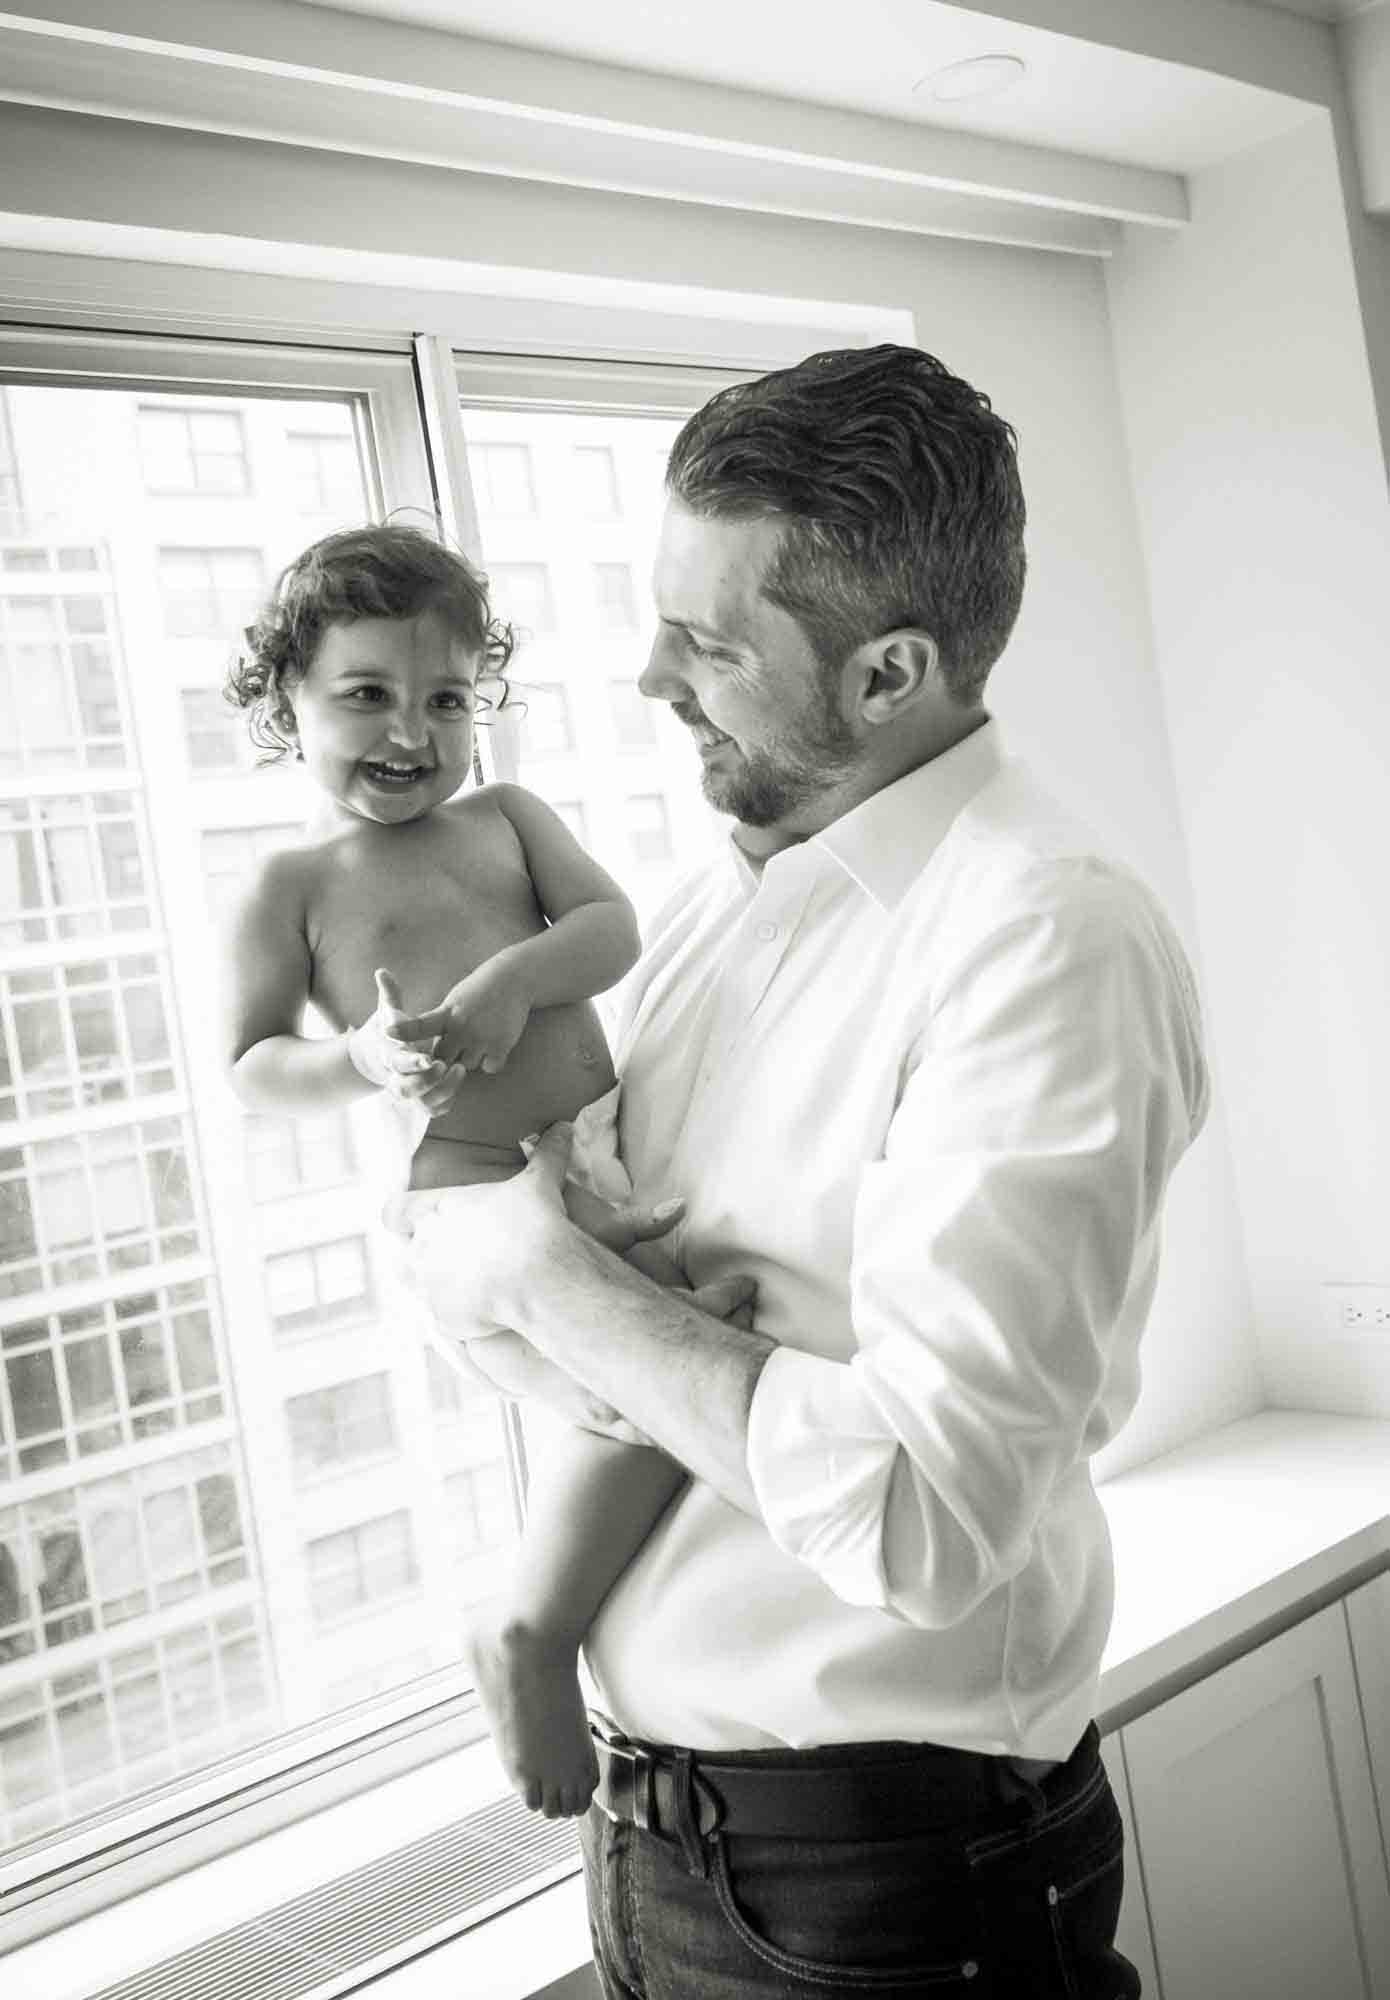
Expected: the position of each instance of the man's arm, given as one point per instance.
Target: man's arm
(681, 1377)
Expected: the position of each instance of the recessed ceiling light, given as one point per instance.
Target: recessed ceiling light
(976, 76)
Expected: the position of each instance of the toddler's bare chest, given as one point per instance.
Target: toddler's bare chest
(428, 923)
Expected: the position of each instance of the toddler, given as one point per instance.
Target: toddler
(371, 660)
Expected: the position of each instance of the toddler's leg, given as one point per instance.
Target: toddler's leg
(589, 1510)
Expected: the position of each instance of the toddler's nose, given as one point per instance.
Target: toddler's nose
(411, 729)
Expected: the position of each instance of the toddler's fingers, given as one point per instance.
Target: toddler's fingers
(388, 992)
(421, 1027)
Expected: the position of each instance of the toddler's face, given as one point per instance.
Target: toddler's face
(385, 715)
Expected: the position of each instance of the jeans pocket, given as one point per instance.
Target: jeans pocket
(839, 1918)
(1050, 1900)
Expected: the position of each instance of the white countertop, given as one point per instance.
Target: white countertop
(1230, 1537)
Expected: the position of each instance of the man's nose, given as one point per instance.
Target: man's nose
(661, 679)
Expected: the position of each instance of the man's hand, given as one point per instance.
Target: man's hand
(478, 1022)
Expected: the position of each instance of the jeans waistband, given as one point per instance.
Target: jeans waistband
(846, 1792)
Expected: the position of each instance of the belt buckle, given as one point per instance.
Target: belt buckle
(631, 1782)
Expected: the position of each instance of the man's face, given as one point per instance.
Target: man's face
(742, 676)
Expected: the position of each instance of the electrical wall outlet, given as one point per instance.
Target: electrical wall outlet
(1357, 1309)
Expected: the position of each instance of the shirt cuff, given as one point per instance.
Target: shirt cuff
(821, 1460)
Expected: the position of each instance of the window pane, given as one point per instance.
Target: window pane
(573, 575)
(141, 1214)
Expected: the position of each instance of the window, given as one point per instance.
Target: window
(502, 481)
(547, 728)
(288, 1155)
(209, 593)
(192, 450)
(478, 1510)
(595, 481)
(95, 1204)
(214, 733)
(72, 866)
(59, 704)
(633, 716)
(79, 1034)
(371, 1563)
(230, 853)
(332, 1427)
(11, 493)
(315, 1289)
(326, 476)
(521, 593)
(649, 829)
(614, 598)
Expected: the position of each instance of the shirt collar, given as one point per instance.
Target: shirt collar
(885, 843)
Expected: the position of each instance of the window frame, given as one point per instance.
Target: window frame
(414, 446)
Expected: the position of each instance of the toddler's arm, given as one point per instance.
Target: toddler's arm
(273, 1065)
(589, 942)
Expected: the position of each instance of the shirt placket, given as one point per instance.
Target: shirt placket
(755, 954)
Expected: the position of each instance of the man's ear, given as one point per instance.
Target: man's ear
(890, 674)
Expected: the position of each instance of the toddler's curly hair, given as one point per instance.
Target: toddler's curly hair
(380, 571)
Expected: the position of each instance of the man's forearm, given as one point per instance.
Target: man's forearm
(683, 1378)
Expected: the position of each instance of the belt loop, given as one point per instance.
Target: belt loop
(687, 1816)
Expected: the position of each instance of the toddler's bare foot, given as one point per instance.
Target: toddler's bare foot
(528, 1683)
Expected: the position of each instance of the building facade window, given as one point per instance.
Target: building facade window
(83, 1034)
(614, 597)
(319, 1287)
(326, 473)
(341, 1424)
(547, 727)
(595, 481)
(478, 1510)
(291, 1155)
(95, 1204)
(187, 450)
(60, 706)
(209, 593)
(649, 829)
(369, 1563)
(503, 481)
(72, 866)
(11, 491)
(214, 734)
(522, 593)
(632, 715)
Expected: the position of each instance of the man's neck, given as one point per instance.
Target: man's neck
(758, 844)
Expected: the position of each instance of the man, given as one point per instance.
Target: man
(920, 1060)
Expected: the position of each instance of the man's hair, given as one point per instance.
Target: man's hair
(900, 492)
(381, 571)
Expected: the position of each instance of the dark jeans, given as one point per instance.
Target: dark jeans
(1019, 1903)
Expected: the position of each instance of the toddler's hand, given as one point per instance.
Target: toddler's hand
(478, 1023)
(399, 1064)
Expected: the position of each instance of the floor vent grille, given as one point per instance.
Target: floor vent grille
(392, 1908)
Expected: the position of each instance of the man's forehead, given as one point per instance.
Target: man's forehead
(710, 571)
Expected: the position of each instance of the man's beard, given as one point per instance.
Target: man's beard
(768, 785)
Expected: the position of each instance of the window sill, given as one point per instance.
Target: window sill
(511, 1954)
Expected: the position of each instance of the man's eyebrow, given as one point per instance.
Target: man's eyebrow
(693, 625)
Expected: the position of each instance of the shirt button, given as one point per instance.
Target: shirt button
(766, 932)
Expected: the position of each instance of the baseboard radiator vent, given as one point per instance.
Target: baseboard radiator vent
(337, 1937)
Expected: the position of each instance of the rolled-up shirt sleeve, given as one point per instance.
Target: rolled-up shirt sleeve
(1004, 1252)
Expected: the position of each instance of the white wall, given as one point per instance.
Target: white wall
(1077, 692)
(1262, 492)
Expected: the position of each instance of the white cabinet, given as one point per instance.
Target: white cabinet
(1368, 1620)
(1256, 1830)
(1133, 1936)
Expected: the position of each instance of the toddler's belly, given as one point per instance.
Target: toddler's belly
(560, 1064)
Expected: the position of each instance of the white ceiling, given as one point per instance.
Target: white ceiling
(1078, 96)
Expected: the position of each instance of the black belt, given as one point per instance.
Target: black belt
(864, 1797)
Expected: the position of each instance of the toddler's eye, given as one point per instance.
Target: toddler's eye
(366, 693)
(457, 699)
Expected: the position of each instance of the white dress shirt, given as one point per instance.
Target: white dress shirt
(925, 1078)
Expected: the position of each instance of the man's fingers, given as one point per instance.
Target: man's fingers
(726, 1298)
(642, 1224)
(549, 1156)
